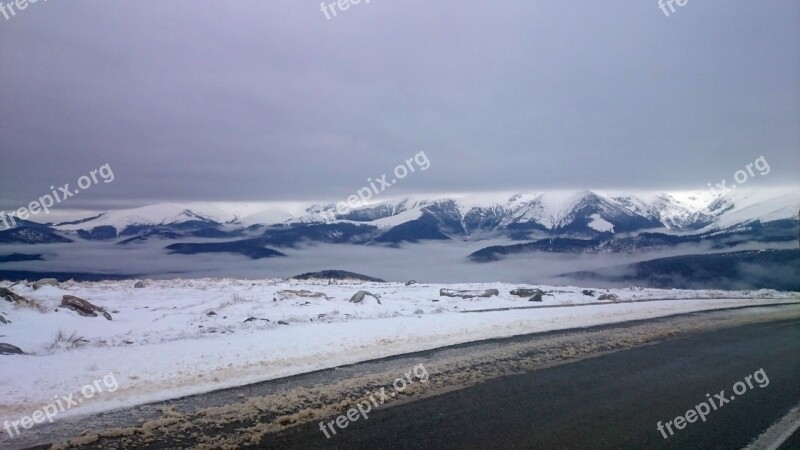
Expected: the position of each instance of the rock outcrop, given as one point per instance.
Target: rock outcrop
(292, 293)
(15, 298)
(522, 292)
(468, 293)
(8, 349)
(83, 307)
(44, 282)
(358, 297)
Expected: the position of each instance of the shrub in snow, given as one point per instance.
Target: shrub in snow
(62, 341)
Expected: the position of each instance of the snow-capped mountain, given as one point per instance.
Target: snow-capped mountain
(160, 214)
(519, 216)
(579, 213)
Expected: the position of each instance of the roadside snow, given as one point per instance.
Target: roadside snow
(180, 337)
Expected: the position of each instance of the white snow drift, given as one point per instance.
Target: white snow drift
(179, 337)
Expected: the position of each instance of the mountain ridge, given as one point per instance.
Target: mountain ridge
(528, 216)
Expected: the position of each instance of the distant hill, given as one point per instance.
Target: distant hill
(785, 230)
(17, 275)
(759, 269)
(16, 257)
(336, 275)
(251, 248)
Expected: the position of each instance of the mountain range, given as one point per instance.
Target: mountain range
(563, 221)
(744, 239)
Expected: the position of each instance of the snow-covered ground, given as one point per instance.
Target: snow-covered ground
(178, 337)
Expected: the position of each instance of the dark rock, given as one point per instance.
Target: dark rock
(8, 349)
(409, 283)
(12, 297)
(280, 322)
(139, 284)
(83, 307)
(468, 293)
(253, 319)
(537, 297)
(3, 320)
(521, 292)
(588, 292)
(212, 313)
(612, 297)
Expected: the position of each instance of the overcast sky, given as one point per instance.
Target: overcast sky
(268, 100)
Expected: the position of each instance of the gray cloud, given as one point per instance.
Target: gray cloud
(252, 100)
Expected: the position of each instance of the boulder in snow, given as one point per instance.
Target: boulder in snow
(44, 282)
(8, 349)
(83, 307)
(291, 293)
(468, 293)
(358, 297)
(522, 292)
(14, 298)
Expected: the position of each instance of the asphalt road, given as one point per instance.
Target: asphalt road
(608, 402)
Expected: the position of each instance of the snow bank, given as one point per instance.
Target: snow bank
(180, 337)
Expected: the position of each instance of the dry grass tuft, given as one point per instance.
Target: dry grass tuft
(62, 341)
